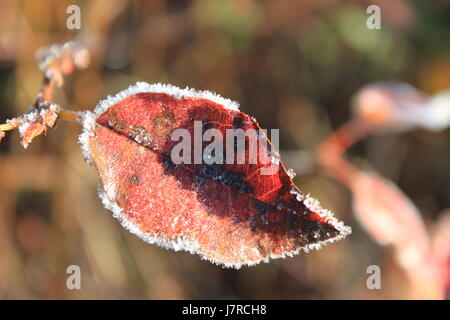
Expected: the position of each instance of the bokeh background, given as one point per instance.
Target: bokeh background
(293, 65)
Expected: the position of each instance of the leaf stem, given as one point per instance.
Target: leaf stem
(330, 152)
(71, 116)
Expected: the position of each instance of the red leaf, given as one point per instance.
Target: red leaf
(229, 214)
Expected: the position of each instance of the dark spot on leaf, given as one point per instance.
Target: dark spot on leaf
(199, 179)
(168, 165)
(238, 122)
(233, 179)
(263, 209)
(134, 180)
(206, 125)
(163, 123)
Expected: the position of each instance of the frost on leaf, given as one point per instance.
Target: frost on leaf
(229, 214)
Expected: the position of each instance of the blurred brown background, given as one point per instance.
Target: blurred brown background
(293, 65)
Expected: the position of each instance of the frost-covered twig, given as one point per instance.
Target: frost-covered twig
(55, 62)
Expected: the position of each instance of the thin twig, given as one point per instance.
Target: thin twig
(55, 62)
(330, 152)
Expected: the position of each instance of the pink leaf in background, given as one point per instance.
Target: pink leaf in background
(391, 218)
(391, 106)
(441, 248)
(387, 214)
